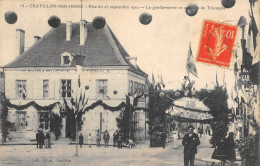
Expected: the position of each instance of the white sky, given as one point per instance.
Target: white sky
(161, 47)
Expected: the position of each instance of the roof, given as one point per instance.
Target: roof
(101, 48)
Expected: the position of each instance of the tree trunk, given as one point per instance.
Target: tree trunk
(76, 138)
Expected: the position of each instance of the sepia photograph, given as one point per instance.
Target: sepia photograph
(120, 82)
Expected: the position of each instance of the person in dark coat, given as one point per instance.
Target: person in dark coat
(38, 138)
(115, 138)
(81, 138)
(120, 140)
(98, 137)
(190, 142)
(163, 139)
(48, 140)
(230, 148)
(41, 139)
(106, 138)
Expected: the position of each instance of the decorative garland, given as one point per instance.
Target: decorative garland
(105, 106)
(187, 120)
(190, 109)
(4, 115)
(32, 103)
(51, 106)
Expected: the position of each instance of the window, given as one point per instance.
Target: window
(66, 59)
(44, 120)
(21, 89)
(66, 88)
(45, 88)
(101, 88)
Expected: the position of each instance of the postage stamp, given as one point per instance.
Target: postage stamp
(216, 43)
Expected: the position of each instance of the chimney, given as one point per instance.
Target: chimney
(68, 30)
(36, 38)
(83, 31)
(20, 34)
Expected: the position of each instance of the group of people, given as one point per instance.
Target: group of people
(42, 139)
(106, 138)
(225, 149)
(118, 139)
(201, 131)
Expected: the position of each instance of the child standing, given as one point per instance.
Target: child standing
(89, 140)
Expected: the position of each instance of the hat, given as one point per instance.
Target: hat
(190, 127)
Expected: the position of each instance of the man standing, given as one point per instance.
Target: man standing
(98, 137)
(115, 138)
(42, 137)
(38, 138)
(106, 138)
(81, 138)
(190, 142)
(163, 139)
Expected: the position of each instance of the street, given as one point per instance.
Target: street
(63, 154)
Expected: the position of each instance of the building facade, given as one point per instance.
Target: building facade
(48, 72)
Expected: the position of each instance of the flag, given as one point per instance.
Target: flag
(236, 100)
(254, 30)
(224, 80)
(153, 80)
(235, 68)
(252, 36)
(242, 100)
(161, 82)
(127, 99)
(158, 86)
(190, 65)
(79, 81)
(147, 85)
(232, 97)
(235, 86)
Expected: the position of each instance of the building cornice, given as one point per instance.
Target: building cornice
(68, 68)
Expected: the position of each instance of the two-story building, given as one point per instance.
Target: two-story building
(47, 72)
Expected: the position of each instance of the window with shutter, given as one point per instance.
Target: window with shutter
(21, 89)
(45, 89)
(101, 89)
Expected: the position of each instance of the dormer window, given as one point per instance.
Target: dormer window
(66, 59)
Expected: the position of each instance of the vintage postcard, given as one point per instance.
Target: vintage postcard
(159, 82)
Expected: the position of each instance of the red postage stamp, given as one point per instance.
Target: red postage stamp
(216, 43)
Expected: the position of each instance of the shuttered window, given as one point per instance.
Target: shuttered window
(101, 89)
(45, 89)
(21, 89)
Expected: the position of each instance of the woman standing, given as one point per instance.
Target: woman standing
(230, 148)
(174, 139)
